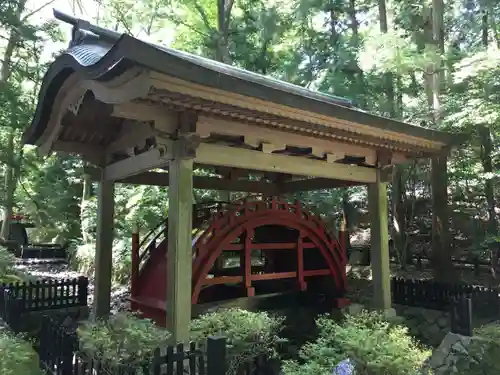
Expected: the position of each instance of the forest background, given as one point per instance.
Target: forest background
(433, 63)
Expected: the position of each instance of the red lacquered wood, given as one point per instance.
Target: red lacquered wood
(219, 232)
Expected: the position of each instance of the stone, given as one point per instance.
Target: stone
(459, 348)
(444, 358)
(353, 309)
(389, 313)
(398, 320)
(430, 315)
(433, 330)
(443, 321)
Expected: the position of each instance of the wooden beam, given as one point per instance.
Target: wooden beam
(134, 165)
(315, 184)
(256, 134)
(199, 182)
(213, 154)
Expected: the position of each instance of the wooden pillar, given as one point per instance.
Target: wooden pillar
(179, 264)
(104, 247)
(225, 195)
(381, 275)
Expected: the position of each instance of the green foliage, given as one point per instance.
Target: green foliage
(84, 260)
(7, 261)
(375, 346)
(8, 274)
(123, 339)
(482, 355)
(17, 356)
(248, 333)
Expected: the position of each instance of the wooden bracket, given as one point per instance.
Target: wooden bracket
(187, 122)
(185, 147)
(384, 157)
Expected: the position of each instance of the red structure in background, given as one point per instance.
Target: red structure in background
(263, 246)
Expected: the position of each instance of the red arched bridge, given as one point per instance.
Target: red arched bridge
(243, 249)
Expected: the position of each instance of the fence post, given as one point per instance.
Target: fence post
(69, 346)
(43, 342)
(216, 356)
(13, 311)
(477, 269)
(83, 290)
(461, 316)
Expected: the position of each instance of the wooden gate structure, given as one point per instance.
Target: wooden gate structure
(129, 107)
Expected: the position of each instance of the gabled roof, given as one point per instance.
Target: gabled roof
(100, 55)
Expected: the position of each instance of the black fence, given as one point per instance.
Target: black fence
(59, 355)
(441, 296)
(18, 299)
(461, 317)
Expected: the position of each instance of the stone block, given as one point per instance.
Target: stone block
(443, 321)
(353, 309)
(389, 313)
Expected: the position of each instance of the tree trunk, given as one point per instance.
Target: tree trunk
(392, 109)
(441, 249)
(86, 194)
(5, 73)
(489, 191)
(9, 183)
(484, 133)
(224, 9)
(357, 72)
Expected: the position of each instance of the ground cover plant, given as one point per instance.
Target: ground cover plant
(123, 339)
(8, 274)
(373, 345)
(248, 334)
(129, 340)
(17, 356)
(482, 355)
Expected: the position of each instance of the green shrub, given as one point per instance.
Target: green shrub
(17, 356)
(83, 260)
(8, 274)
(248, 333)
(122, 339)
(7, 261)
(482, 355)
(375, 347)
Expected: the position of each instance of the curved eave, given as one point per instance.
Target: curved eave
(98, 63)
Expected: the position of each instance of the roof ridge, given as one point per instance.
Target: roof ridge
(85, 32)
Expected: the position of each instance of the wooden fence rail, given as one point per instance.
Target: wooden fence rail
(18, 299)
(440, 296)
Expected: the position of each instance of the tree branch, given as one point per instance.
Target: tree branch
(35, 11)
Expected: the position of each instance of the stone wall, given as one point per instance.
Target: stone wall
(428, 326)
